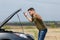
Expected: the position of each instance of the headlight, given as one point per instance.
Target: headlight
(23, 35)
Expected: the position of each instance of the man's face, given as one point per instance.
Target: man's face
(31, 12)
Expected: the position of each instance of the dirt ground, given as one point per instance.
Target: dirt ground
(52, 34)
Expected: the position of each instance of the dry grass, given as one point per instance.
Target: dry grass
(52, 34)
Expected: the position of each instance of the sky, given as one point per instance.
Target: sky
(49, 10)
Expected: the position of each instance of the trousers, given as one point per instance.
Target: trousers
(42, 34)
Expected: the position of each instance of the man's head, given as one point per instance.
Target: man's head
(31, 11)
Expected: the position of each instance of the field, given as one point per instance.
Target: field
(52, 34)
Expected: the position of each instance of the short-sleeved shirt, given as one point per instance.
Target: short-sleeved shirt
(39, 23)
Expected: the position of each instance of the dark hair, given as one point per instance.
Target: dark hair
(30, 9)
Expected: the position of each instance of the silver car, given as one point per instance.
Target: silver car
(10, 35)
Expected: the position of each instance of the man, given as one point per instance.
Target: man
(38, 22)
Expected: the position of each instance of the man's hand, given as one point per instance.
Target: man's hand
(25, 14)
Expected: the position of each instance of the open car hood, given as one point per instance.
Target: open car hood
(9, 35)
(8, 18)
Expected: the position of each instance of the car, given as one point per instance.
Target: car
(10, 35)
